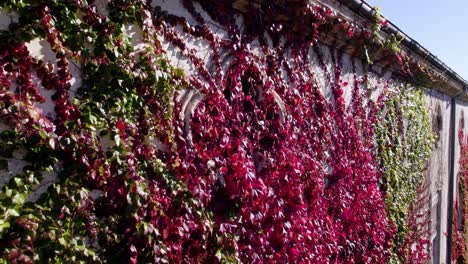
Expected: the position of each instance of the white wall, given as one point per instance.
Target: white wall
(438, 169)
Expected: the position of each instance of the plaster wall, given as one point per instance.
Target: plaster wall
(438, 103)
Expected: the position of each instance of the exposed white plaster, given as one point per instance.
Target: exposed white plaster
(155, 142)
(174, 7)
(41, 49)
(106, 142)
(320, 74)
(15, 167)
(347, 77)
(281, 105)
(6, 18)
(101, 6)
(76, 80)
(135, 35)
(189, 98)
(95, 194)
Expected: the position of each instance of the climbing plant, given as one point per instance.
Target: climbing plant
(460, 228)
(405, 140)
(109, 198)
(250, 156)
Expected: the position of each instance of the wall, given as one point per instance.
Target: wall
(41, 49)
(438, 170)
(352, 70)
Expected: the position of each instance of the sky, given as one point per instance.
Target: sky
(440, 26)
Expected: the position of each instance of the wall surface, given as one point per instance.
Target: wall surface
(352, 69)
(40, 49)
(438, 171)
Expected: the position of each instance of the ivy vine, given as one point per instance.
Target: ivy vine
(405, 140)
(108, 197)
(460, 217)
(266, 169)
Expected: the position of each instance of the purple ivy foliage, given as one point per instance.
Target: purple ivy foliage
(293, 184)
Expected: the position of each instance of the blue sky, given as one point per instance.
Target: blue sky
(440, 26)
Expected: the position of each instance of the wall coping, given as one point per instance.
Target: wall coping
(452, 83)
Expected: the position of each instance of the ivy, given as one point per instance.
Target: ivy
(240, 161)
(405, 140)
(126, 98)
(460, 216)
